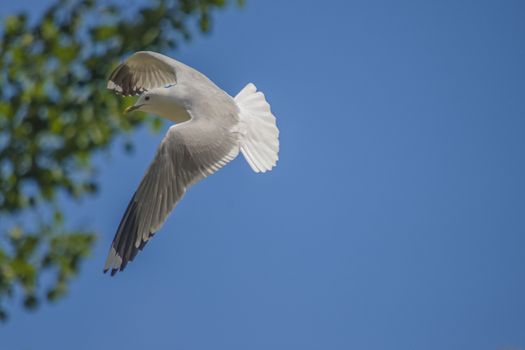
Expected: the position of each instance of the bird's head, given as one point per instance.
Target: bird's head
(141, 104)
(166, 102)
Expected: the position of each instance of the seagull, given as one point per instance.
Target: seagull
(210, 128)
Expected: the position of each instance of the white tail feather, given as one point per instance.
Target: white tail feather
(260, 140)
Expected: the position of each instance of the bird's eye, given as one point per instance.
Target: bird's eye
(147, 98)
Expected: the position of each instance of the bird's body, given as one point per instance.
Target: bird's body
(212, 128)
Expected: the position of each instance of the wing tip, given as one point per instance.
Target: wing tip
(114, 270)
(116, 263)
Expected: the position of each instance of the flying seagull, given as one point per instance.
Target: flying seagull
(211, 127)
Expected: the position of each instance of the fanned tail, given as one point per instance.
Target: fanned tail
(260, 140)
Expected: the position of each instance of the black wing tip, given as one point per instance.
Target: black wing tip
(124, 263)
(123, 249)
(117, 89)
(114, 270)
(123, 82)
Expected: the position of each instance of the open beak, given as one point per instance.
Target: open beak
(132, 108)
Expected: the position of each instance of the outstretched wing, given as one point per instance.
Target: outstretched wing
(189, 152)
(144, 70)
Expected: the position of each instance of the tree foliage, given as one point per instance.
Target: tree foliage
(55, 113)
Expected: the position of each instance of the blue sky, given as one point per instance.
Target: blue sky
(395, 218)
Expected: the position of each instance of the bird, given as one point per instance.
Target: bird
(210, 128)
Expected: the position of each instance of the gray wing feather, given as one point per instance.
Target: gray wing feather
(144, 70)
(189, 152)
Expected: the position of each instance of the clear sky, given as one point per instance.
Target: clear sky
(395, 218)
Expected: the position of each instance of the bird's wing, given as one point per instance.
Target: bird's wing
(189, 152)
(144, 70)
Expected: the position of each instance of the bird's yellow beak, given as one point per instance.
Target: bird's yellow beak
(131, 108)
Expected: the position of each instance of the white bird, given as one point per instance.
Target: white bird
(212, 127)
